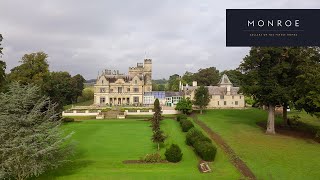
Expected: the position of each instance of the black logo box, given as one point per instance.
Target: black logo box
(273, 27)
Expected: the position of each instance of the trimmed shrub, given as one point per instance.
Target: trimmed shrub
(181, 116)
(173, 154)
(67, 119)
(186, 125)
(207, 151)
(152, 158)
(194, 135)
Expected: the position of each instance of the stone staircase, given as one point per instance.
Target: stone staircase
(112, 114)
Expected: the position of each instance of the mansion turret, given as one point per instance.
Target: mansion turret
(114, 88)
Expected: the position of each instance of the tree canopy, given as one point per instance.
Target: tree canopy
(33, 69)
(208, 76)
(61, 87)
(201, 98)
(173, 82)
(184, 105)
(277, 76)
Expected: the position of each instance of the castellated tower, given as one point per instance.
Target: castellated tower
(147, 72)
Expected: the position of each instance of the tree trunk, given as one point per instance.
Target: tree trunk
(201, 111)
(285, 114)
(158, 147)
(270, 124)
(264, 107)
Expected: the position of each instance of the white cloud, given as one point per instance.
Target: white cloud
(87, 36)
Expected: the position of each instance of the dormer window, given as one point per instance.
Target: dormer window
(101, 81)
(135, 82)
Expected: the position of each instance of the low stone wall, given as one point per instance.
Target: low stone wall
(138, 112)
(79, 113)
(127, 112)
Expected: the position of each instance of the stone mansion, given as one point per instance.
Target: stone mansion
(113, 88)
(135, 88)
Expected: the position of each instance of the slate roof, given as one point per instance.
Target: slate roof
(126, 78)
(214, 90)
(171, 93)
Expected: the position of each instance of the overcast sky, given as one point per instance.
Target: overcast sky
(82, 36)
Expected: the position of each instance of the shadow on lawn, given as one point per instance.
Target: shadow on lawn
(72, 166)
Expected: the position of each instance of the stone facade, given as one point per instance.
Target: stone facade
(222, 96)
(113, 88)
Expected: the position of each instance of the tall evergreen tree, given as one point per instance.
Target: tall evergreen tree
(155, 121)
(31, 140)
(158, 136)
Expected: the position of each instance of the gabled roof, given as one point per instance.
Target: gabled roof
(224, 80)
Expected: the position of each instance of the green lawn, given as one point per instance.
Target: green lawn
(103, 145)
(269, 157)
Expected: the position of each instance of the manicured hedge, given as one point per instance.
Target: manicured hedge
(181, 116)
(173, 154)
(186, 125)
(194, 135)
(206, 150)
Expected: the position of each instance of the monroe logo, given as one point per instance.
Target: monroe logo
(272, 23)
(273, 27)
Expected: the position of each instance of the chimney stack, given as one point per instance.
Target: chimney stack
(194, 83)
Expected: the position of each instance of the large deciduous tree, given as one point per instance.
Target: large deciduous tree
(173, 82)
(78, 83)
(33, 69)
(283, 75)
(188, 77)
(60, 87)
(306, 93)
(201, 98)
(206, 77)
(264, 79)
(31, 140)
(184, 105)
